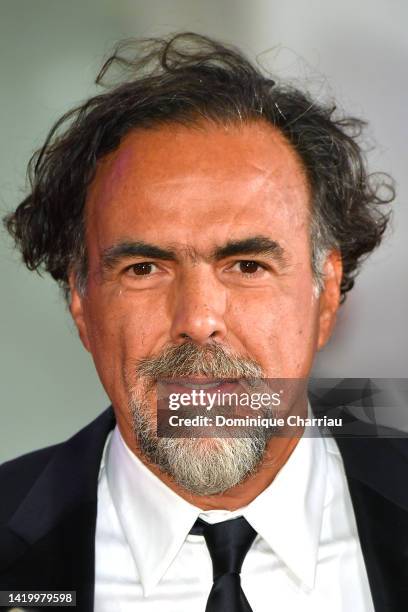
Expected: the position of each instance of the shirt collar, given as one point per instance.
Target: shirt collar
(154, 519)
(287, 514)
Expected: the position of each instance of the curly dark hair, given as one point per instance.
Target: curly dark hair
(189, 78)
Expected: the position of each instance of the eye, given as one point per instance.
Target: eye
(249, 267)
(144, 268)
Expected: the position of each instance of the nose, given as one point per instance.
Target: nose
(199, 304)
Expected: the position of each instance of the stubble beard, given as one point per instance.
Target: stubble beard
(202, 466)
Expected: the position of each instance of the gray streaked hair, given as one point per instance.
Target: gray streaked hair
(189, 78)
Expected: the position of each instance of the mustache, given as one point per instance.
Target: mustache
(190, 359)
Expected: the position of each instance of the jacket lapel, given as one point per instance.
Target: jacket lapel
(51, 536)
(376, 465)
(376, 470)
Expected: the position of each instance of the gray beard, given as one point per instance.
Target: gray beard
(203, 466)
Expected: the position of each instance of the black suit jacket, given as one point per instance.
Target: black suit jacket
(49, 502)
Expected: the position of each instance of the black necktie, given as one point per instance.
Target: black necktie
(228, 543)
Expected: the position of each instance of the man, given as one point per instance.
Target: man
(204, 223)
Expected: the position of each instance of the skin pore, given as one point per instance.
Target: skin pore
(202, 233)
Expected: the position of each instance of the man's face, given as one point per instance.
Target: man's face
(201, 234)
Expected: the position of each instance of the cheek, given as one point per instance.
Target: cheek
(119, 319)
(278, 330)
(121, 331)
(298, 338)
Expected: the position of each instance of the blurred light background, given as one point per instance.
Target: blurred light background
(354, 51)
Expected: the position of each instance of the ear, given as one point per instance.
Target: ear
(329, 299)
(76, 307)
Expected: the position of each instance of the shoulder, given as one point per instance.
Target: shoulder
(55, 463)
(381, 463)
(18, 476)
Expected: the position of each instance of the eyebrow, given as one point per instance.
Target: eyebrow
(253, 245)
(113, 255)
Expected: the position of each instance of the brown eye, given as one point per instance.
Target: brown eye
(248, 267)
(142, 269)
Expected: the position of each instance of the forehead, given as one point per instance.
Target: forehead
(175, 178)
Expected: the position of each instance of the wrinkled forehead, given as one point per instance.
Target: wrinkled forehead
(193, 175)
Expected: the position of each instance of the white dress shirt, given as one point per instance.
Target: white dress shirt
(306, 556)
